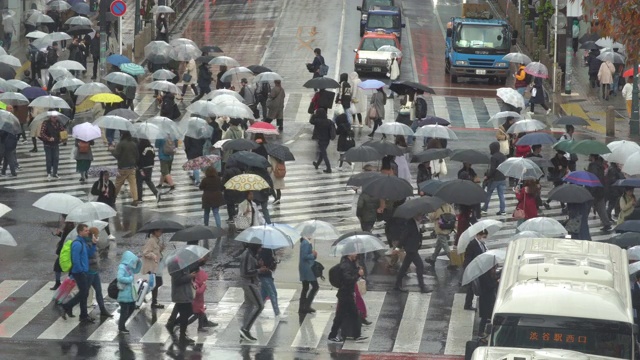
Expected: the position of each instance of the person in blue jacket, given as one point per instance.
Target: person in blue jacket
(129, 266)
(82, 249)
(307, 277)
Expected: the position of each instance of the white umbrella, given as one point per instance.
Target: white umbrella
(99, 224)
(549, 227)
(357, 242)
(121, 78)
(219, 143)
(195, 127)
(392, 49)
(202, 107)
(487, 224)
(163, 74)
(182, 41)
(4, 209)
(224, 60)
(520, 168)
(511, 96)
(86, 132)
(18, 84)
(527, 234)
(147, 131)
(607, 42)
(526, 126)
(620, 150)
(161, 9)
(114, 122)
(78, 21)
(184, 52)
(90, 211)
(92, 88)
(517, 58)
(14, 98)
(269, 237)
(36, 35)
(436, 131)
(10, 60)
(50, 102)
(164, 86)
(238, 110)
(394, 128)
(612, 56)
(60, 73)
(225, 99)
(634, 268)
(501, 116)
(6, 238)
(633, 253)
(317, 230)
(632, 164)
(69, 65)
(214, 94)
(267, 76)
(237, 71)
(68, 83)
(166, 125)
(58, 203)
(483, 263)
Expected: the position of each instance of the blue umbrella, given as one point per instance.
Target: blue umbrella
(429, 187)
(583, 178)
(628, 183)
(33, 92)
(371, 84)
(117, 59)
(536, 138)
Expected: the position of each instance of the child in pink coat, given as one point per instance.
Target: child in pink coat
(198, 307)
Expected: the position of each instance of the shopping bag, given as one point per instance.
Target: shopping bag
(142, 289)
(362, 286)
(456, 259)
(64, 290)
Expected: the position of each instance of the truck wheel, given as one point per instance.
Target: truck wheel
(470, 347)
(454, 79)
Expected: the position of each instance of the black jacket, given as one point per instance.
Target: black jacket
(613, 174)
(322, 129)
(411, 241)
(556, 173)
(146, 156)
(473, 250)
(262, 195)
(350, 276)
(94, 48)
(193, 147)
(344, 95)
(594, 62)
(110, 197)
(343, 130)
(497, 158)
(266, 258)
(597, 169)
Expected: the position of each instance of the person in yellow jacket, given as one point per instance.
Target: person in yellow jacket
(627, 204)
(444, 222)
(521, 80)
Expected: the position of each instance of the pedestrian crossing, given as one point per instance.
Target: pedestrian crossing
(29, 315)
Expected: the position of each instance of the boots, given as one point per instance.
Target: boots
(308, 308)
(204, 323)
(56, 286)
(303, 304)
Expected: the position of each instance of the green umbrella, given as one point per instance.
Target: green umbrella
(564, 145)
(132, 69)
(587, 147)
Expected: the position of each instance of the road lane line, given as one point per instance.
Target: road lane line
(460, 327)
(157, 333)
(26, 312)
(492, 107)
(413, 58)
(266, 325)
(469, 117)
(440, 107)
(8, 287)
(373, 301)
(340, 39)
(409, 334)
(276, 26)
(108, 330)
(312, 329)
(224, 314)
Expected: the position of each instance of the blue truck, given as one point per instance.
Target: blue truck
(476, 44)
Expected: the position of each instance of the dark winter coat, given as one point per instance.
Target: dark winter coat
(488, 294)
(262, 195)
(613, 174)
(212, 188)
(204, 77)
(146, 155)
(344, 93)
(321, 129)
(597, 169)
(594, 62)
(497, 158)
(97, 189)
(539, 98)
(350, 276)
(193, 147)
(473, 250)
(344, 132)
(411, 241)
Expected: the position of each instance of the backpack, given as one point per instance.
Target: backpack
(335, 276)
(169, 147)
(40, 59)
(528, 78)
(83, 147)
(317, 269)
(323, 70)
(113, 290)
(262, 95)
(280, 170)
(52, 57)
(64, 260)
(421, 108)
(447, 221)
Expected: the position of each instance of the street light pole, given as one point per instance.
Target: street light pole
(634, 122)
(555, 47)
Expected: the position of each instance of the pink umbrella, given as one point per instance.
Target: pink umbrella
(261, 127)
(201, 162)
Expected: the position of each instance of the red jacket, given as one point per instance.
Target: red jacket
(527, 202)
(200, 284)
(522, 150)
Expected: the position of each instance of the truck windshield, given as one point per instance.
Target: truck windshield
(597, 337)
(372, 44)
(494, 38)
(382, 21)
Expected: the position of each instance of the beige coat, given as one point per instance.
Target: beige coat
(192, 69)
(151, 254)
(435, 216)
(605, 74)
(278, 184)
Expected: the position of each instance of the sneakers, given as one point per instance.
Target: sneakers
(336, 339)
(123, 331)
(549, 111)
(360, 338)
(111, 237)
(484, 212)
(158, 197)
(500, 213)
(246, 335)
(281, 318)
(276, 202)
(48, 177)
(55, 176)
(186, 340)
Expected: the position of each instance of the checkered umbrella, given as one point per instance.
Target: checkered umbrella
(201, 162)
(511, 96)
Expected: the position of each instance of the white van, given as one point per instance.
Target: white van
(500, 353)
(564, 294)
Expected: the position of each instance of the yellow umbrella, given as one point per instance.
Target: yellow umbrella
(106, 98)
(246, 182)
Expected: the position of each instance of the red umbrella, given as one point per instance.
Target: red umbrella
(629, 72)
(261, 127)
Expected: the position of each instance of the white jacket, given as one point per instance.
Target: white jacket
(627, 91)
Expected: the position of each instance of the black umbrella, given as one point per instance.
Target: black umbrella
(164, 225)
(419, 206)
(626, 240)
(429, 187)
(258, 69)
(279, 152)
(589, 45)
(570, 193)
(239, 145)
(250, 159)
(431, 154)
(632, 182)
(7, 72)
(432, 120)
(628, 226)
(385, 147)
(589, 37)
(388, 187)
(536, 138)
(571, 120)
(471, 156)
(321, 83)
(463, 192)
(409, 87)
(79, 30)
(362, 153)
(159, 58)
(204, 59)
(211, 49)
(541, 162)
(198, 232)
(363, 178)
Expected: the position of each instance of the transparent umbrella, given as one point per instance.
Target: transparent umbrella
(90, 211)
(59, 5)
(395, 128)
(238, 110)
(14, 98)
(526, 126)
(68, 83)
(500, 117)
(237, 72)
(490, 225)
(6, 238)
(268, 236)
(202, 107)
(182, 41)
(9, 123)
(517, 58)
(267, 76)
(357, 242)
(114, 122)
(58, 203)
(612, 56)
(214, 94)
(547, 226)
(156, 47)
(18, 84)
(511, 96)
(163, 74)
(520, 168)
(317, 230)
(125, 113)
(195, 127)
(483, 263)
(527, 234)
(164, 86)
(436, 131)
(162, 9)
(10, 60)
(166, 125)
(185, 257)
(184, 52)
(537, 69)
(224, 60)
(40, 118)
(121, 78)
(91, 88)
(78, 21)
(607, 42)
(69, 65)
(50, 102)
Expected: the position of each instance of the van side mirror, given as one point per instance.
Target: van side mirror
(449, 32)
(359, 8)
(404, 25)
(488, 328)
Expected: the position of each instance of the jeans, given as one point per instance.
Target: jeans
(52, 156)
(442, 242)
(82, 281)
(126, 309)
(94, 281)
(9, 160)
(268, 288)
(216, 216)
(265, 211)
(196, 176)
(500, 185)
(254, 305)
(128, 175)
(322, 148)
(110, 134)
(146, 178)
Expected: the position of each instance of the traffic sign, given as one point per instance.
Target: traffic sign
(118, 8)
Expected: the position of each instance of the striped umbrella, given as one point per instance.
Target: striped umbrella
(132, 69)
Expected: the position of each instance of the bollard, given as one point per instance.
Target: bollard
(611, 121)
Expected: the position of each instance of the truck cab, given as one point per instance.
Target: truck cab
(364, 10)
(369, 60)
(386, 19)
(475, 47)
